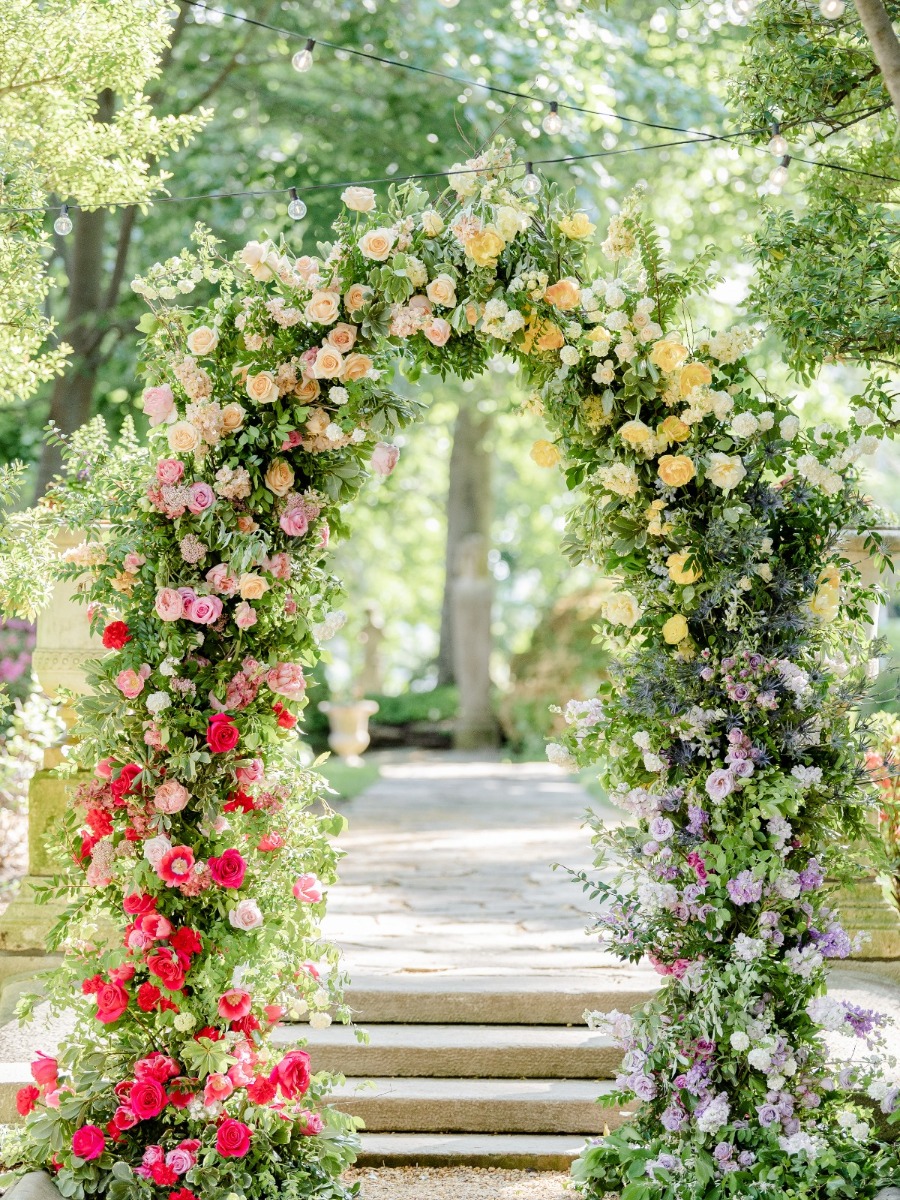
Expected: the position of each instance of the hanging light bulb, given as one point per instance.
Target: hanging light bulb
(296, 208)
(552, 123)
(832, 10)
(303, 59)
(63, 223)
(778, 144)
(449, 3)
(531, 185)
(779, 176)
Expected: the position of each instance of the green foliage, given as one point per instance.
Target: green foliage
(437, 704)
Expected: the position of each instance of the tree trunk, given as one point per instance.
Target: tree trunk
(885, 45)
(469, 509)
(72, 396)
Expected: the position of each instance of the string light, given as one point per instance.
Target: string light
(531, 184)
(778, 144)
(779, 176)
(296, 208)
(832, 10)
(63, 223)
(552, 123)
(303, 59)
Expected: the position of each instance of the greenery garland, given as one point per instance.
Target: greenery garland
(726, 731)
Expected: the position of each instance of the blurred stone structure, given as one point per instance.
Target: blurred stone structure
(472, 600)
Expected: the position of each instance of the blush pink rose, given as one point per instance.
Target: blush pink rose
(104, 768)
(130, 683)
(169, 604)
(252, 771)
(220, 581)
(170, 797)
(181, 1160)
(159, 403)
(286, 679)
(245, 615)
(310, 1123)
(294, 521)
(218, 1088)
(384, 458)
(204, 610)
(438, 331)
(307, 889)
(169, 471)
(279, 565)
(202, 497)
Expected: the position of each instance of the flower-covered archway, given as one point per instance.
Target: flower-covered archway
(726, 730)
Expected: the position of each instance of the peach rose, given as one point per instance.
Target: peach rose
(183, 437)
(357, 366)
(635, 433)
(442, 291)
(202, 340)
(673, 429)
(359, 199)
(675, 470)
(484, 248)
(551, 337)
(357, 295)
(307, 389)
(668, 356)
(329, 363)
(377, 244)
(169, 604)
(318, 421)
(279, 477)
(342, 337)
(170, 797)
(438, 331)
(252, 586)
(473, 312)
(322, 308)
(563, 295)
(694, 375)
(262, 387)
(232, 418)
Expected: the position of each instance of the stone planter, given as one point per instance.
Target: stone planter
(349, 735)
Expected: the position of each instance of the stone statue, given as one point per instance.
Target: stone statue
(371, 677)
(472, 597)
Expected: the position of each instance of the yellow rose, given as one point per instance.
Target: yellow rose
(252, 586)
(183, 437)
(442, 291)
(202, 340)
(342, 337)
(262, 387)
(725, 470)
(432, 222)
(622, 609)
(322, 308)
(329, 363)
(675, 629)
(694, 375)
(232, 418)
(483, 248)
(673, 429)
(679, 572)
(668, 356)
(576, 225)
(377, 244)
(356, 366)
(356, 296)
(279, 477)
(563, 295)
(675, 470)
(359, 199)
(635, 433)
(307, 389)
(826, 603)
(545, 454)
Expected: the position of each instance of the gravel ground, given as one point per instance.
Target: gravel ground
(460, 1183)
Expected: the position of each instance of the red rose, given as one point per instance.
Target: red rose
(112, 1000)
(233, 1138)
(228, 869)
(186, 941)
(123, 1119)
(138, 903)
(286, 719)
(262, 1090)
(115, 635)
(163, 1175)
(167, 970)
(245, 1025)
(180, 1099)
(88, 1142)
(292, 1074)
(123, 785)
(209, 1031)
(148, 997)
(88, 842)
(26, 1099)
(148, 1099)
(222, 734)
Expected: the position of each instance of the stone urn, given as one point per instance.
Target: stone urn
(349, 733)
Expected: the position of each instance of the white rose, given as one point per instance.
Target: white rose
(623, 609)
(725, 470)
(255, 257)
(246, 915)
(156, 848)
(202, 340)
(359, 199)
(319, 1020)
(442, 291)
(377, 243)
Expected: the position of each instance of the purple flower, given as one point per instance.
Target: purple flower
(740, 692)
(697, 819)
(719, 785)
(661, 828)
(723, 1151)
(642, 1086)
(812, 876)
(745, 889)
(673, 1118)
(768, 1115)
(707, 674)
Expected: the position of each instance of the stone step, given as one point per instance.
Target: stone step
(505, 1151)
(487, 1051)
(478, 1105)
(441, 999)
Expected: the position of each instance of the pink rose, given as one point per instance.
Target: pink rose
(438, 331)
(202, 497)
(180, 1160)
(132, 563)
(234, 1004)
(169, 604)
(170, 797)
(130, 684)
(310, 1123)
(169, 471)
(104, 768)
(279, 565)
(307, 889)
(294, 521)
(88, 1142)
(251, 772)
(286, 679)
(384, 458)
(218, 1087)
(159, 403)
(204, 610)
(245, 615)
(220, 581)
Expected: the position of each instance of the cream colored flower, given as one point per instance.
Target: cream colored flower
(232, 418)
(356, 296)
(576, 225)
(252, 586)
(359, 199)
(279, 477)
(673, 429)
(442, 291)
(329, 363)
(675, 470)
(484, 247)
(668, 355)
(307, 390)
(694, 375)
(357, 366)
(544, 453)
(342, 337)
(202, 340)
(622, 608)
(183, 437)
(377, 243)
(725, 470)
(322, 308)
(635, 433)
(432, 222)
(258, 258)
(679, 572)
(675, 629)
(510, 221)
(262, 387)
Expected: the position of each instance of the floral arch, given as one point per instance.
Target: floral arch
(727, 730)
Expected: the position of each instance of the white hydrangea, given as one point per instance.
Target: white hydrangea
(789, 427)
(641, 739)
(569, 356)
(560, 756)
(748, 949)
(744, 425)
(158, 701)
(338, 396)
(807, 776)
(739, 1040)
